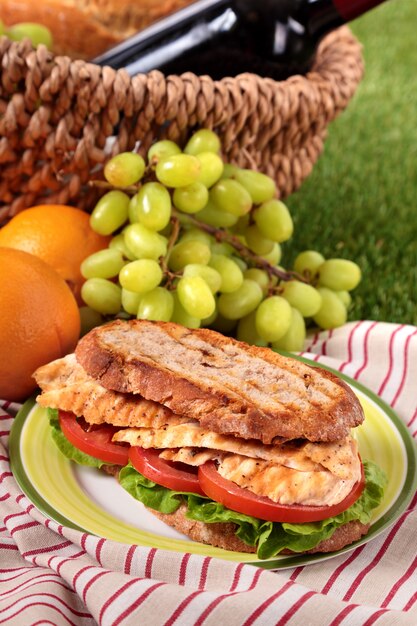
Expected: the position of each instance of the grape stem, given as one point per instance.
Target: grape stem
(222, 235)
(103, 184)
(170, 276)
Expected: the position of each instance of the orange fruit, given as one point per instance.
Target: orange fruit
(60, 235)
(39, 320)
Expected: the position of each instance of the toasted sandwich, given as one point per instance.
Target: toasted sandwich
(233, 445)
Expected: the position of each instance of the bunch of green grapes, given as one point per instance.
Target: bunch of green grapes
(198, 241)
(37, 33)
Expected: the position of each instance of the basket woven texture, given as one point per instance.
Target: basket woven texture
(57, 114)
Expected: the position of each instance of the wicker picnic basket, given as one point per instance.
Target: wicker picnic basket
(57, 115)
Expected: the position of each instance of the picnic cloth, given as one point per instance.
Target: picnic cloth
(55, 575)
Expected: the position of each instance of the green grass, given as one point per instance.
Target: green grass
(361, 200)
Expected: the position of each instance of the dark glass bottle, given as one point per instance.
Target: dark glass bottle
(274, 38)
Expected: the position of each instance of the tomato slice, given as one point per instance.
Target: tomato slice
(97, 442)
(170, 475)
(244, 501)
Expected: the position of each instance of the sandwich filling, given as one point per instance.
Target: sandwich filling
(288, 473)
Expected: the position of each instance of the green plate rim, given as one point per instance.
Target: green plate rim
(410, 483)
(386, 520)
(19, 471)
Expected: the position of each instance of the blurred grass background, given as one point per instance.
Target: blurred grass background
(361, 200)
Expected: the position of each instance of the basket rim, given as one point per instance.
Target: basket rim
(57, 113)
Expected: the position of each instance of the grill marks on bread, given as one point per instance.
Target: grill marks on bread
(228, 386)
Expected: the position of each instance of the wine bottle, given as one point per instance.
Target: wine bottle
(274, 38)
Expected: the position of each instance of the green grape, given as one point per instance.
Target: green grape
(151, 206)
(110, 212)
(307, 263)
(223, 325)
(157, 305)
(332, 312)
(230, 272)
(260, 186)
(257, 242)
(141, 276)
(294, 338)
(178, 170)
(222, 247)
(144, 243)
(240, 302)
(229, 196)
(339, 274)
(210, 275)
(167, 231)
(240, 262)
(102, 264)
(180, 315)
(124, 169)
(209, 320)
(188, 252)
(195, 296)
(214, 216)
(118, 243)
(229, 170)
(130, 301)
(133, 212)
(191, 198)
(274, 220)
(273, 257)
(2, 28)
(303, 297)
(259, 276)
(273, 318)
(246, 331)
(102, 295)
(203, 140)
(211, 168)
(345, 297)
(89, 319)
(242, 224)
(162, 149)
(195, 234)
(37, 33)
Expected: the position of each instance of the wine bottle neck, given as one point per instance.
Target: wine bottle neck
(172, 38)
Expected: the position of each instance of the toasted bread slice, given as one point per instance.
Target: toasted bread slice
(222, 535)
(228, 386)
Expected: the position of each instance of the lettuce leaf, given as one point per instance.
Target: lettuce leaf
(71, 452)
(269, 537)
(149, 493)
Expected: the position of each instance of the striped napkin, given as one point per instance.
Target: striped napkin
(55, 575)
